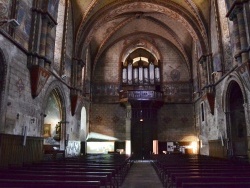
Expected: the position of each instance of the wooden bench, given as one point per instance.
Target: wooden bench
(112, 178)
(69, 177)
(109, 171)
(216, 185)
(211, 179)
(13, 183)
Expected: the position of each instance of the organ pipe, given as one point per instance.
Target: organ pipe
(130, 82)
(124, 75)
(151, 73)
(139, 74)
(157, 74)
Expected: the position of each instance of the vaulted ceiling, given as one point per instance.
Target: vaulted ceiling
(101, 23)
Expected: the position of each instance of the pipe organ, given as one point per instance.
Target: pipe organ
(139, 74)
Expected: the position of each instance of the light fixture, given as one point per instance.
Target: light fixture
(141, 116)
(12, 22)
(64, 76)
(197, 92)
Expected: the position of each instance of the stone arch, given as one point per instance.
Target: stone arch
(236, 78)
(195, 32)
(55, 93)
(236, 124)
(140, 43)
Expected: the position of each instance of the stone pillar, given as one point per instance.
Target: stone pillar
(128, 123)
(243, 36)
(43, 36)
(247, 117)
(236, 39)
(49, 45)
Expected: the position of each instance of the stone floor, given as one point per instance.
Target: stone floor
(142, 175)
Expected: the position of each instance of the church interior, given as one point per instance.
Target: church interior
(137, 78)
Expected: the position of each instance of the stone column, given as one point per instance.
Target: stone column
(236, 39)
(49, 49)
(43, 36)
(243, 36)
(128, 123)
(247, 117)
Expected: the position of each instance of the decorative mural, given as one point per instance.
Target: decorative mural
(105, 89)
(184, 119)
(98, 119)
(167, 119)
(20, 86)
(108, 119)
(217, 62)
(177, 92)
(175, 74)
(115, 118)
(23, 17)
(3, 9)
(227, 43)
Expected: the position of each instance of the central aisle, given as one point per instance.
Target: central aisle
(142, 174)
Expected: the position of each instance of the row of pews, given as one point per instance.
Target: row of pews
(197, 171)
(90, 171)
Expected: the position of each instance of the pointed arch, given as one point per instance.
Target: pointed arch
(236, 117)
(55, 97)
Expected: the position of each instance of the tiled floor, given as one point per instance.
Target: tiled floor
(142, 175)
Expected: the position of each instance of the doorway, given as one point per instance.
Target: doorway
(143, 129)
(236, 129)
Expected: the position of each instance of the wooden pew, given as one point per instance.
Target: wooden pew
(109, 171)
(209, 169)
(103, 179)
(109, 175)
(211, 179)
(13, 183)
(216, 185)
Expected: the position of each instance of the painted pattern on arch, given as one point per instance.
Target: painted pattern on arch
(132, 6)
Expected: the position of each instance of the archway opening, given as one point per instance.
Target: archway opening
(237, 132)
(53, 123)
